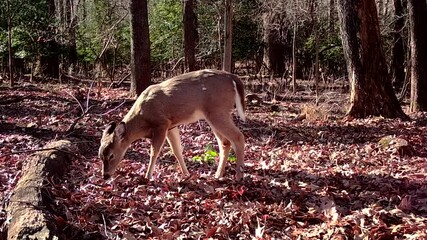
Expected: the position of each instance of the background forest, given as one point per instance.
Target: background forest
(90, 39)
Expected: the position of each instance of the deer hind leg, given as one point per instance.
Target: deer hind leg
(174, 141)
(223, 124)
(157, 141)
(224, 149)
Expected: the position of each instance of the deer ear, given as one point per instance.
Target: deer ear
(121, 130)
(110, 128)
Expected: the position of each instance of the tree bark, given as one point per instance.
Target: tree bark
(28, 207)
(228, 24)
(316, 25)
(332, 17)
(140, 47)
(294, 59)
(9, 42)
(274, 49)
(190, 34)
(71, 33)
(418, 20)
(398, 51)
(371, 88)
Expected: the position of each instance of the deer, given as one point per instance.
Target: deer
(209, 95)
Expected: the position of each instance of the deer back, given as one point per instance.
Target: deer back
(188, 97)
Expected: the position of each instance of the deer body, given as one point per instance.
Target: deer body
(204, 94)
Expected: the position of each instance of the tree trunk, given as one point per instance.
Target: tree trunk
(294, 59)
(398, 52)
(191, 36)
(371, 89)
(140, 47)
(418, 35)
(228, 24)
(316, 25)
(274, 49)
(71, 34)
(316, 64)
(9, 42)
(332, 19)
(51, 6)
(380, 7)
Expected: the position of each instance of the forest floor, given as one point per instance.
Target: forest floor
(318, 177)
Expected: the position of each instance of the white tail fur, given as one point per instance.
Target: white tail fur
(239, 106)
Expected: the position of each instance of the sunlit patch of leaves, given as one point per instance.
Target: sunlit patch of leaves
(307, 179)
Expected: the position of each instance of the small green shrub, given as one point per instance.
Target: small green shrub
(210, 155)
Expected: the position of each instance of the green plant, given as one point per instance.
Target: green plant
(210, 155)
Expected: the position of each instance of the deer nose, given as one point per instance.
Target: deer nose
(107, 176)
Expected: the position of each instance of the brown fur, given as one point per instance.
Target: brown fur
(203, 94)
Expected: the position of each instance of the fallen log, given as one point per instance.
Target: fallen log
(27, 208)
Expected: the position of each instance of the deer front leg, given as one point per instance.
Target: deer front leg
(157, 141)
(174, 141)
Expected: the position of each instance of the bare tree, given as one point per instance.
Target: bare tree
(314, 4)
(398, 50)
(228, 24)
(70, 29)
(371, 89)
(10, 12)
(274, 31)
(140, 47)
(418, 21)
(282, 29)
(190, 34)
(331, 15)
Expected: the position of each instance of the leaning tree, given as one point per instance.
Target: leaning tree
(371, 93)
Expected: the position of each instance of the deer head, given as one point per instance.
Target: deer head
(113, 148)
(204, 94)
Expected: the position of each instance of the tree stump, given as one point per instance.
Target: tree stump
(27, 209)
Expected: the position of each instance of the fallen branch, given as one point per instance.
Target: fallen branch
(13, 99)
(72, 77)
(114, 109)
(30, 150)
(118, 83)
(27, 207)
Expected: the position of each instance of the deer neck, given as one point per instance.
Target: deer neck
(136, 129)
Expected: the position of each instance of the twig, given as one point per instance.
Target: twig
(118, 83)
(72, 77)
(84, 110)
(71, 128)
(78, 102)
(114, 109)
(105, 226)
(88, 96)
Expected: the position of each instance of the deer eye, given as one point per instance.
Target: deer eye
(111, 157)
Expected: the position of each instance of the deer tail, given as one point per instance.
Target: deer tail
(239, 97)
